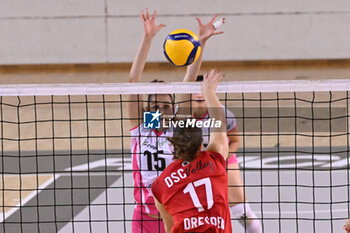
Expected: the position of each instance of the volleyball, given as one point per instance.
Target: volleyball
(182, 47)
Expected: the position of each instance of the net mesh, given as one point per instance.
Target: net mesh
(66, 160)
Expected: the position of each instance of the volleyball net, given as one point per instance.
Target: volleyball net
(66, 161)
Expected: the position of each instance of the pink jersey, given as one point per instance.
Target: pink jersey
(151, 154)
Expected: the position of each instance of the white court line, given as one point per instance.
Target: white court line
(28, 198)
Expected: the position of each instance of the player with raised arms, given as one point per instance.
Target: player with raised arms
(151, 151)
(239, 206)
(191, 194)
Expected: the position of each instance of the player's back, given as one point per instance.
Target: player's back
(195, 194)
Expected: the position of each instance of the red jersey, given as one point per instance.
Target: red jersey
(196, 194)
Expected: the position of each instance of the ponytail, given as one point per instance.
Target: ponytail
(186, 142)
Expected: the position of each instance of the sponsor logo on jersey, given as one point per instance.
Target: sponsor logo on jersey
(182, 173)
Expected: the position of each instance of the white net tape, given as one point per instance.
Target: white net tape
(176, 87)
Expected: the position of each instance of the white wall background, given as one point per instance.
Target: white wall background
(100, 31)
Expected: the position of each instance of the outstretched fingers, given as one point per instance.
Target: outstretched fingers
(212, 72)
(160, 26)
(218, 24)
(199, 21)
(213, 19)
(142, 16)
(154, 15)
(218, 33)
(147, 13)
(217, 75)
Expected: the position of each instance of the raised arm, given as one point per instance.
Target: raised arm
(218, 136)
(205, 31)
(135, 104)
